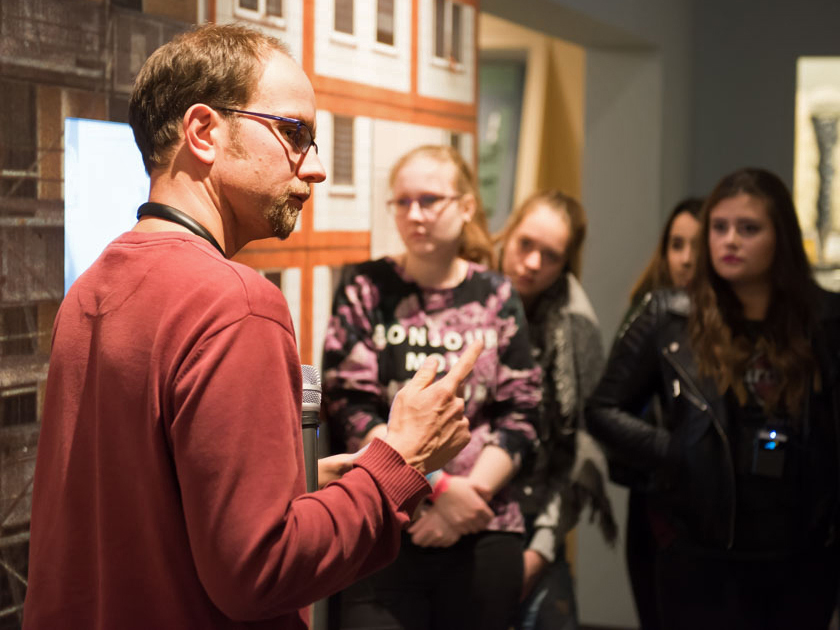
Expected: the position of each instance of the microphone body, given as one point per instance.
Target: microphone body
(311, 419)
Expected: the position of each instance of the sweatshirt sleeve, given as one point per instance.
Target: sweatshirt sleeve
(262, 547)
(356, 400)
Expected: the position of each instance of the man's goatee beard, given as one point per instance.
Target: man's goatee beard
(283, 217)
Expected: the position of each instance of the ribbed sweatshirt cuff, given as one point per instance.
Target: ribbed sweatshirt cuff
(401, 483)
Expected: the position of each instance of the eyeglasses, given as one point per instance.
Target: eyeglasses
(302, 138)
(430, 205)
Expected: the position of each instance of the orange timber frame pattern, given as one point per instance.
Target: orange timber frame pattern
(308, 248)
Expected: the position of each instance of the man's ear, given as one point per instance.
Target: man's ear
(201, 132)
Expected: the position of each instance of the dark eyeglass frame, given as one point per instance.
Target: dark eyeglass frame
(429, 204)
(303, 147)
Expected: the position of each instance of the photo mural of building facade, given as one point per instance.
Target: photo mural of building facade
(388, 75)
(58, 59)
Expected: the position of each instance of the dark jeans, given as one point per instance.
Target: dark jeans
(551, 605)
(700, 590)
(475, 584)
(641, 553)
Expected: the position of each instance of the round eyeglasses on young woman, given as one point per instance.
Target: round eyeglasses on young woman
(302, 137)
(430, 205)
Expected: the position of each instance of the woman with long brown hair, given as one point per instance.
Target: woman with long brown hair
(744, 503)
(460, 563)
(672, 264)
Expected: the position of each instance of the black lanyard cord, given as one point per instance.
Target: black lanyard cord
(168, 213)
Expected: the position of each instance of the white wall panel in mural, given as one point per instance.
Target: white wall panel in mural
(359, 56)
(288, 28)
(344, 207)
(446, 51)
(321, 305)
(290, 285)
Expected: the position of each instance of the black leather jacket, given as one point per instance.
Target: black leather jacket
(687, 460)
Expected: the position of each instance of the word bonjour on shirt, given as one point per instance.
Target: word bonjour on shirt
(421, 337)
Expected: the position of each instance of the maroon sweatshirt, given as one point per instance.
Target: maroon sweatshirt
(169, 485)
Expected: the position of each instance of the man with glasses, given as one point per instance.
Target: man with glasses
(169, 486)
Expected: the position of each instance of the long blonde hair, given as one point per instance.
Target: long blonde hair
(476, 244)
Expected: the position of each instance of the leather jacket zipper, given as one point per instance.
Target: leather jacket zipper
(698, 401)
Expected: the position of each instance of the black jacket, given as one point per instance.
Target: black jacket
(688, 458)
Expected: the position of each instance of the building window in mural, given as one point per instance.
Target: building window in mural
(261, 8)
(19, 405)
(18, 140)
(344, 16)
(342, 173)
(19, 324)
(385, 22)
(448, 37)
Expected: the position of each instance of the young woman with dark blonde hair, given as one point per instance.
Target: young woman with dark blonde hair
(460, 564)
(744, 501)
(541, 252)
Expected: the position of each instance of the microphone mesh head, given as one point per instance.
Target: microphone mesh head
(311, 397)
(311, 385)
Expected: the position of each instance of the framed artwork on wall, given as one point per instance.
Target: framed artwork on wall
(501, 85)
(817, 163)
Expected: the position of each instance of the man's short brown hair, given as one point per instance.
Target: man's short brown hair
(214, 64)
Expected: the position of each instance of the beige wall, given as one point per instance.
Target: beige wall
(552, 127)
(83, 104)
(551, 132)
(50, 129)
(183, 10)
(640, 96)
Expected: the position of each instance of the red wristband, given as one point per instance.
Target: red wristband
(440, 487)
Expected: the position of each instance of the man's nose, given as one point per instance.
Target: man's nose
(310, 168)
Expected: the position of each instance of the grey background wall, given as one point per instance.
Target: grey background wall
(638, 125)
(678, 93)
(635, 162)
(744, 66)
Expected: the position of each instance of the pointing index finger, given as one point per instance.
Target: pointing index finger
(464, 366)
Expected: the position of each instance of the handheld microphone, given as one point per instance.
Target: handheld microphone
(311, 410)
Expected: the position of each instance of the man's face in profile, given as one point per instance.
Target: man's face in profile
(267, 176)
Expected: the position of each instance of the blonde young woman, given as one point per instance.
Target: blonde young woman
(542, 247)
(460, 565)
